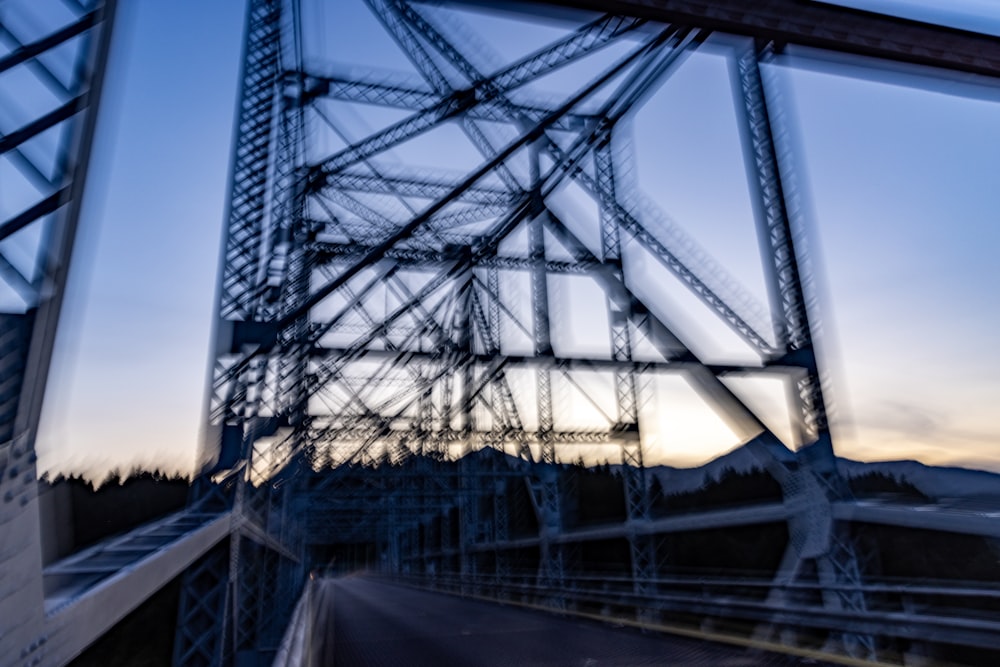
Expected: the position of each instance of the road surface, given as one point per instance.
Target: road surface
(360, 621)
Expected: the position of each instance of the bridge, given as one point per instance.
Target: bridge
(412, 353)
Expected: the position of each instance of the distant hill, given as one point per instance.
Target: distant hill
(935, 482)
(684, 480)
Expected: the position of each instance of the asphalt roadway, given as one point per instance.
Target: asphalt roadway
(360, 621)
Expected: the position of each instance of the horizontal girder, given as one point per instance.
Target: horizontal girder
(812, 24)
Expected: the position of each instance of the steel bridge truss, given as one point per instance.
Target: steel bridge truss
(396, 369)
(376, 311)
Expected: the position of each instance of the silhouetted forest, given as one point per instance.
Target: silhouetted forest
(731, 488)
(875, 484)
(91, 513)
(122, 502)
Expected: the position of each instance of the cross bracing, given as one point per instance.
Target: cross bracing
(416, 270)
(399, 369)
(421, 311)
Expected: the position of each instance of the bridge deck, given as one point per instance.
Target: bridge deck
(363, 621)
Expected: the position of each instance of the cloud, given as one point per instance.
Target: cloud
(904, 419)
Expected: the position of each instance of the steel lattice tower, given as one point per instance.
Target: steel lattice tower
(372, 310)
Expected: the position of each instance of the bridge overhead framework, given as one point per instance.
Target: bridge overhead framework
(401, 369)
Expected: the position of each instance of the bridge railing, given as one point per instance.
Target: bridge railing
(904, 617)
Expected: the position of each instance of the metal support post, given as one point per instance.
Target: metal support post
(809, 489)
(643, 557)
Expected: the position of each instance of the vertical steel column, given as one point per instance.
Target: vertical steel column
(500, 516)
(626, 392)
(286, 286)
(810, 489)
(546, 486)
(231, 429)
(243, 272)
(199, 617)
(469, 472)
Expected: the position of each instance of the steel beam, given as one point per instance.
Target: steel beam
(814, 24)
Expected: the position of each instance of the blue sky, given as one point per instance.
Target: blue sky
(900, 184)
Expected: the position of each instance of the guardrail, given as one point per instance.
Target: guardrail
(904, 618)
